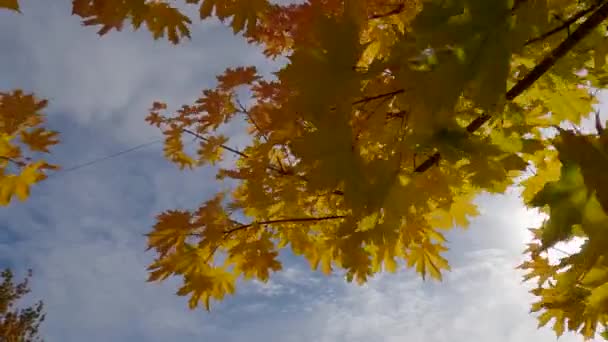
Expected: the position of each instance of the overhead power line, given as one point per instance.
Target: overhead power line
(101, 159)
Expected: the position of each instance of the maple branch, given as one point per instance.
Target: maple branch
(395, 10)
(282, 171)
(285, 220)
(249, 225)
(539, 70)
(379, 96)
(565, 25)
(227, 148)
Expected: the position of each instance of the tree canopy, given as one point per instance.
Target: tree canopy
(389, 117)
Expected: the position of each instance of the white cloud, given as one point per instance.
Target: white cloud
(481, 299)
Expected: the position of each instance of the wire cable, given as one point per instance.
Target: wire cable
(98, 160)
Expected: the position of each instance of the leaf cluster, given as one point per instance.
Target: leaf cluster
(21, 129)
(574, 292)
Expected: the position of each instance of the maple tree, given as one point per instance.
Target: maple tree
(18, 325)
(388, 119)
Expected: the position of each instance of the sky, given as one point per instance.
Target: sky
(81, 231)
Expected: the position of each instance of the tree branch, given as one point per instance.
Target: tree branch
(565, 25)
(227, 148)
(395, 10)
(539, 70)
(282, 171)
(379, 96)
(285, 220)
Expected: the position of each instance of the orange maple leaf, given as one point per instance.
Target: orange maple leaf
(39, 139)
(233, 78)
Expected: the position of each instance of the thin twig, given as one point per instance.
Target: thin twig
(227, 148)
(395, 10)
(249, 225)
(379, 96)
(285, 220)
(282, 171)
(255, 124)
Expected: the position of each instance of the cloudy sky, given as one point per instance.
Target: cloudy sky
(81, 231)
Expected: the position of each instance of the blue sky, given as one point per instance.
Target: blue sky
(82, 231)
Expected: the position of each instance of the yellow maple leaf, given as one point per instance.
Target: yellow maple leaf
(538, 267)
(213, 283)
(211, 149)
(171, 231)
(560, 320)
(255, 259)
(8, 151)
(29, 175)
(19, 185)
(425, 256)
(174, 150)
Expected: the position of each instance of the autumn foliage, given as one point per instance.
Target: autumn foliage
(388, 119)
